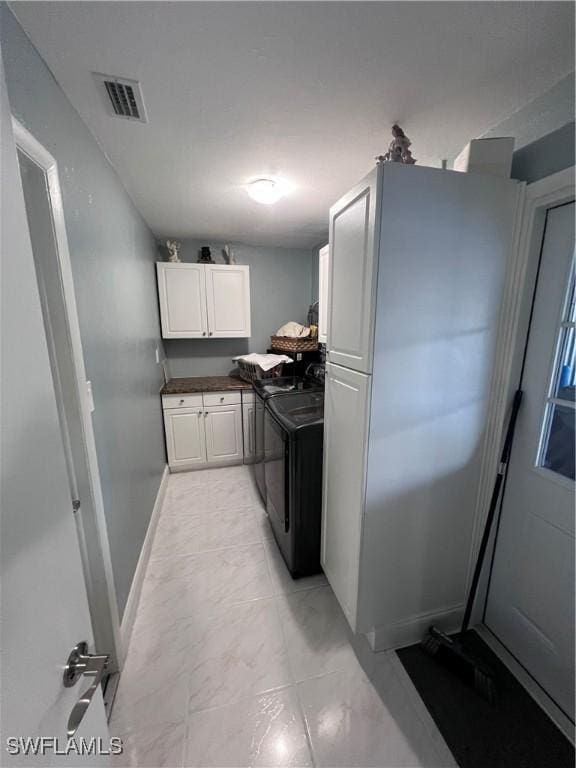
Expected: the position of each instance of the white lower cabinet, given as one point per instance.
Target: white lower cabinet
(185, 437)
(210, 429)
(223, 425)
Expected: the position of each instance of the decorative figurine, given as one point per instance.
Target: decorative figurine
(205, 256)
(228, 253)
(398, 151)
(173, 248)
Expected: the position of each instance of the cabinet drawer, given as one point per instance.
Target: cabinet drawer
(222, 398)
(181, 401)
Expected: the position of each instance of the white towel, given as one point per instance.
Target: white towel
(264, 361)
(293, 330)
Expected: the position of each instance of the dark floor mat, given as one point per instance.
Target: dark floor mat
(513, 733)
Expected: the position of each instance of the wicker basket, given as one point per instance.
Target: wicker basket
(288, 344)
(253, 372)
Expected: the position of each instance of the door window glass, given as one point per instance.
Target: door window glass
(558, 432)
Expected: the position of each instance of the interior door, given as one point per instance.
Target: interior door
(354, 234)
(346, 402)
(530, 603)
(228, 300)
(182, 293)
(44, 604)
(223, 434)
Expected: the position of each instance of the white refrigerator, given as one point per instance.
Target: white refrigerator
(418, 260)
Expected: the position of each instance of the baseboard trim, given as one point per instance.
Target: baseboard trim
(195, 467)
(136, 587)
(413, 629)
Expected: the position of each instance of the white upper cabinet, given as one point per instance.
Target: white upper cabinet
(323, 280)
(228, 300)
(204, 300)
(354, 225)
(182, 293)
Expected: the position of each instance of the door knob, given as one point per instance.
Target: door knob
(80, 663)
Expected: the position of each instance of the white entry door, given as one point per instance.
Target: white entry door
(530, 604)
(44, 606)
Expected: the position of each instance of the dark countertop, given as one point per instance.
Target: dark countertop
(203, 384)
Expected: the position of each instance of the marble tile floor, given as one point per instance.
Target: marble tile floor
(232, 663)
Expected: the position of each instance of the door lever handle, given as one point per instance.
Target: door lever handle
(80, 663)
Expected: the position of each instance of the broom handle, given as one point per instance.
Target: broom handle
(504, 458)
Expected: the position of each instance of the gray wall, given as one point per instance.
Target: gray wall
(550, 154)
(280, 290)
(315, 270)
(113, 253)
(544, 133)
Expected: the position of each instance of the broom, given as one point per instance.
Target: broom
(451, 652)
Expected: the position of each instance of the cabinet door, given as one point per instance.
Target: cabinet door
(323, 279)
(182, 295)
(248, 432)
(228, 300)
(346, 404)
(354, 234)
(223, 425)
(185, 440)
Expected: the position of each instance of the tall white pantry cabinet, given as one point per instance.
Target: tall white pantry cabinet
(418, 259)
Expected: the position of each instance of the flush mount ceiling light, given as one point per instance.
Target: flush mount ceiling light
(268, 190)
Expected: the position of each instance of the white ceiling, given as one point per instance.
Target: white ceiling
(307, 91)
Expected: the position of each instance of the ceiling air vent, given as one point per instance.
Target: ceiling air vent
(123, 97)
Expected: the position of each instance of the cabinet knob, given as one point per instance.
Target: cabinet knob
(210, 334)
(203, 333)
(221, 399)
(205, 413)
(199, 413)
(182, 401)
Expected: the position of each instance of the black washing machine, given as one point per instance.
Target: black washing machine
(265, 389)
(293, 439)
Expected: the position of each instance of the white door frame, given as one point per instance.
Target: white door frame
(512, 334)
(95, 550)
(513, 331)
